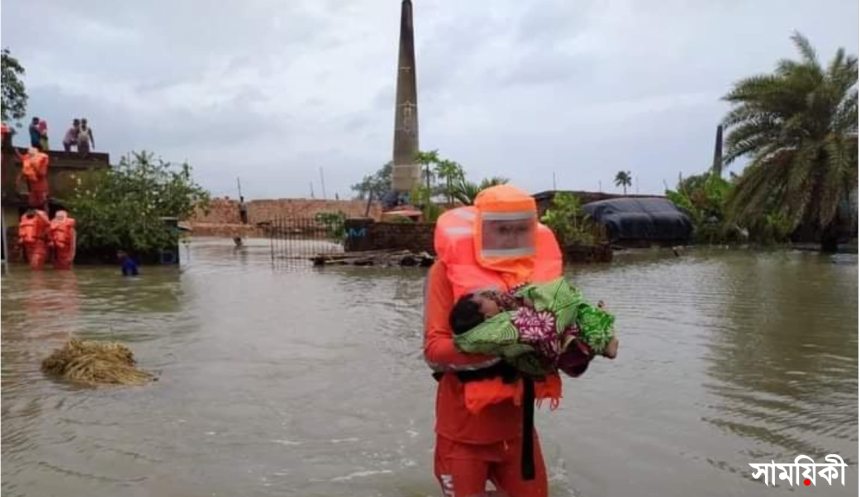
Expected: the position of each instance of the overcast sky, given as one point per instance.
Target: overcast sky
(273, 90)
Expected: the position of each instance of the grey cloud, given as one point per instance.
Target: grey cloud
(272, 91)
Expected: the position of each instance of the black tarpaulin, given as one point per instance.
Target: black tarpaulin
(641, 219)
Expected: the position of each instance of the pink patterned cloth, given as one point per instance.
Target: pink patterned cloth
(537, 328)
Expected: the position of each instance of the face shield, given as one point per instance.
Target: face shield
(505, 234)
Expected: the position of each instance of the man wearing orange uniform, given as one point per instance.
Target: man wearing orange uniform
(34, 169)
(33, 236)
(63, 238)
(481, 434)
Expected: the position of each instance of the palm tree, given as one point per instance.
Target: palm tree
(450, 172)
(798, 125)
(466, 192)
(623, 179)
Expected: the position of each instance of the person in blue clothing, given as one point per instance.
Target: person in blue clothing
(35, 134)
(129, 267)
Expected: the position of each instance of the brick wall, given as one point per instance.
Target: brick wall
(226, 211)
(365, 234)
(65, 172)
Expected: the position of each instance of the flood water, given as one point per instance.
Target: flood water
(302, 382)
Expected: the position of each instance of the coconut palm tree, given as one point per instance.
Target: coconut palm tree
(798, 126)
(450, 172)
(623, 179)
(466, 192)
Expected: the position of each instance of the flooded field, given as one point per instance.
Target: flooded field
(278, 380)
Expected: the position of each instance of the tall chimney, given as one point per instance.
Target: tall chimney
(406, 173)
(717, 167)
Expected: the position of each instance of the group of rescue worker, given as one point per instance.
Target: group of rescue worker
(39, 236)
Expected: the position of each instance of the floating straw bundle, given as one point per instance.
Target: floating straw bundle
(95, 363)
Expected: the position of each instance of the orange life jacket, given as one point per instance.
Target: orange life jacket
(62, 231)
(454, 240)
(33, 229)
(35, 167)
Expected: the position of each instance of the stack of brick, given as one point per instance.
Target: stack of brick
(226, 211)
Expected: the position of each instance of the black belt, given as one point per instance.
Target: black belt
(527, 456)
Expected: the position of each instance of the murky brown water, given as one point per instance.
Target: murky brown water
(311, 383)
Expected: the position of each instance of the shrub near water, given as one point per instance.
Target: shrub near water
(120, 208)
(571, 225)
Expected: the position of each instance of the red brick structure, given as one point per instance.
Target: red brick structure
(226, 211)
(223, 216)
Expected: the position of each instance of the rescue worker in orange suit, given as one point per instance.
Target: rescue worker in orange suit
(484, 425)
(4, 131)
(34, 169)
(62, 240)
(33, 232)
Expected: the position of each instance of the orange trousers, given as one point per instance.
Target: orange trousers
(37, 254)
(63, 258)
(463, 469)
(38, 196)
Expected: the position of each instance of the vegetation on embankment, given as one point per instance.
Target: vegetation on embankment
(798, 128)
(125, 207)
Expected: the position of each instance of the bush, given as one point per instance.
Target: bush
(334, 224)
(569, 223)
(123, 207)
(703, 199)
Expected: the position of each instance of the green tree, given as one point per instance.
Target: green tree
(122, 207)
(702, 197)
(14, 104)
(567, 220)
(422, 198)
(376, 184)
(465, 191)
(798, 126)
(334, 225)
(450, 172)
(623, 179)
(427, 161)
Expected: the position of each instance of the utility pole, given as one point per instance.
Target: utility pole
(312, 189)
(322, 181)
(553, 180)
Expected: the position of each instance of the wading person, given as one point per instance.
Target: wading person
(484, 422)
(33, 232)
(63, 239)
(127, 264)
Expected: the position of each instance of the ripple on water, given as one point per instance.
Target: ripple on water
(285, 380)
